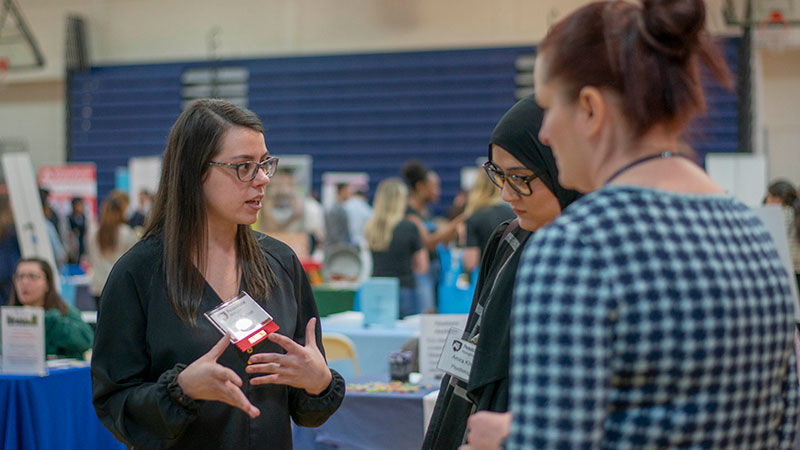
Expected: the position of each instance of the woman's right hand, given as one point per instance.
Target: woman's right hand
(205, 379)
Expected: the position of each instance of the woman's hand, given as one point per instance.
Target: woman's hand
(487, 430)
(205, 379)
(302, 367)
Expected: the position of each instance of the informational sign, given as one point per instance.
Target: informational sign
(457, 355)
(772, 217)
(378, 297)
(68, 181)
(23, 340)
(432, 337)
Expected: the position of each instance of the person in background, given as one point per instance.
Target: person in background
(784, 194)
(162, 376)
(655, 312)
(423, 191)
(77, 230)
(485, 210)
(51, 224)
(395, 243)
(49, 213)
(9, 248)
(358, 213)
(112, 238)
(65, 332)
(137, 219)
(314, 224)
(123, 198)
(525, 172)
(337, 229)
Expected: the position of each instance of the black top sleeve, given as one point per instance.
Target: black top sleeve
(311, 410)
(138, 411)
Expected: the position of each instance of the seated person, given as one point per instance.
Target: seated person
(65, 333)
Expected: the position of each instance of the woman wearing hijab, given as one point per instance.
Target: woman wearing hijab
(525, 171)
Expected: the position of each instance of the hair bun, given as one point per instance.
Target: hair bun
(672, 27)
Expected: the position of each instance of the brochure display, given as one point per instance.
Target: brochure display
(23, 340)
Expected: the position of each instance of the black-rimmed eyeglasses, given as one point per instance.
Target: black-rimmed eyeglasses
(522, 185)
(246, 171)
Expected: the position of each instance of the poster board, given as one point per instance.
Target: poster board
(67, 181)
(432, 337)
(144, 174)
(26, 206)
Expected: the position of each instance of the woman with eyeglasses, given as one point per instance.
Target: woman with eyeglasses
(65, 332)
(525, 172)
(163, 376)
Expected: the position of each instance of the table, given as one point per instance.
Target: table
(51, 412)
(373, 345)
(368, 421)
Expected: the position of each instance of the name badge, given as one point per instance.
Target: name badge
(244, 319)
(457, 355)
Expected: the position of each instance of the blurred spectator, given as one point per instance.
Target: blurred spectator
(111, 240)
(51, 224)
(123, 198)
(337, 229)
(485, 211)
(77, 231)
(423, 190)
(395, 243)
(65, 333)
(143, 208)
(358, 213)
(784, 194)
(49, 213)
(314, 223)
(9, 248)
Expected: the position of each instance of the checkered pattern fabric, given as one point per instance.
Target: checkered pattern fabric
(646, 319)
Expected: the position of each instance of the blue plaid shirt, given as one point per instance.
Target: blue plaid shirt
(648, 319)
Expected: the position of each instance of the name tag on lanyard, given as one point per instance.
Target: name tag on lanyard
(457, 355)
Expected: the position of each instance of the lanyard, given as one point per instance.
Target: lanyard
(644, 159)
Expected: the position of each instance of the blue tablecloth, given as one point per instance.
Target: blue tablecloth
(373, 346)
(52, 412)
(369, 421)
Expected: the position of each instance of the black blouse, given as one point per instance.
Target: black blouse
(140, 345)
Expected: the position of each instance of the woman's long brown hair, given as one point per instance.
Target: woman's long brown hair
(179, 209)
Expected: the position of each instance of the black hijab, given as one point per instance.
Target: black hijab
(517, 133)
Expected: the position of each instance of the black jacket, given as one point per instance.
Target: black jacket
(140, 344)
(487, 389)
